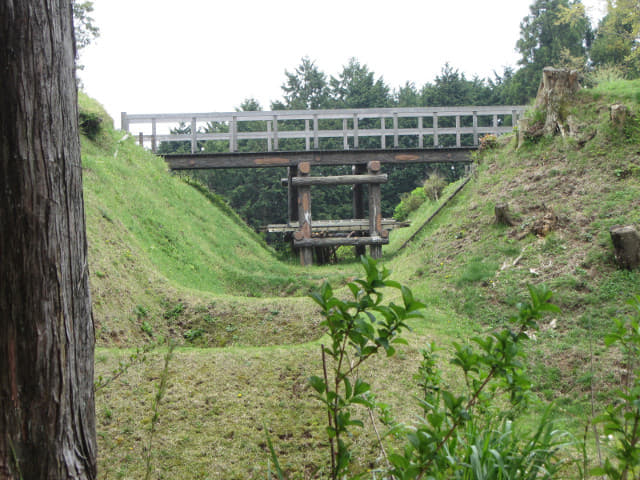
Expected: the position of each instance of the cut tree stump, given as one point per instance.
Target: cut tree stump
(554, 95)
(503, 216)
(618, 114)
(626, 243)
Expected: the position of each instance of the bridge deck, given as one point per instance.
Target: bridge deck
(320, 157)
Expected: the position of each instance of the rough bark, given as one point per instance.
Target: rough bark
(626, 243)
(47, 417)
(618, 114)
(502, 214)
(554, 97)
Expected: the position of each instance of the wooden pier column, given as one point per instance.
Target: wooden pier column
(358, 202)
(304, 212)
(292, 196)
(375, 211)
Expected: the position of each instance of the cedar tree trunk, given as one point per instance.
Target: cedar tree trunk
(47, 413)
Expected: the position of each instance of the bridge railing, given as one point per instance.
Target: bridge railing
(388, 124)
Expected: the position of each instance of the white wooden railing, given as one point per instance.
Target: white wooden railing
(277, 125)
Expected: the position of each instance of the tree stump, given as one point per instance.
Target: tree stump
(502, 214)
(618, 114)
(626, 243)
(554, 94)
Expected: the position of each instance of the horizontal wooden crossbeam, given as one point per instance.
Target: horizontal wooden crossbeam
(339, 180)
(336, 242)
(346, 225)
(319, 157)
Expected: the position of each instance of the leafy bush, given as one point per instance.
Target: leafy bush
(474, 434)
(90, 124)
(409, 202)
(621, 421)
(433, 186)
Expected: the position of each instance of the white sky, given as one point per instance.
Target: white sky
(166, 56)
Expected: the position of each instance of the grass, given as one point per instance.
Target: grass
(167, 262)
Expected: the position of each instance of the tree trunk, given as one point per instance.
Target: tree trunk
(47, 413)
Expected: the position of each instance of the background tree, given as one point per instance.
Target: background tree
(555, 33)
(356, 87)
(306, 88)
(617, 39)
(47, 417)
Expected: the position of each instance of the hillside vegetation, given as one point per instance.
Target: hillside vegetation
(167, 258)
(156, 243)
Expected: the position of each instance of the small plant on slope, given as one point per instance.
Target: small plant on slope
(473, 435)
(621, 421)
(476, 434)
(359, 328)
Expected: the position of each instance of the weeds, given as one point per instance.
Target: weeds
(155, 408)
(621, 421)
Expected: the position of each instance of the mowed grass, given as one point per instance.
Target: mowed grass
(470, 272)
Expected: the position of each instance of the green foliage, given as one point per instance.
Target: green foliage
(358, 329)
(433, 187)
(476, 434)
(553, 32)
(173, 311)
(409, 202)
(90, 124)
(193, 334)
(85, 29)
(155, 409)
(616, 41)
(621, 421)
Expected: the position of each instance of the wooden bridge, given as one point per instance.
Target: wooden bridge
(301, 139)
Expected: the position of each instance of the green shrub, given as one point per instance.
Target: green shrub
(433, 186)
(409, 202)
(90, 124)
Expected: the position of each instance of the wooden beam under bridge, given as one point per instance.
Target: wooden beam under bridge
(318, 157)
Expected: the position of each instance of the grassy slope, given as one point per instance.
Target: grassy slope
(462, 264)
(162, 253)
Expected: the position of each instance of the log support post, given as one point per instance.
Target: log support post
(375, 211)
(292, 196)
(358, 202)
(304, 212)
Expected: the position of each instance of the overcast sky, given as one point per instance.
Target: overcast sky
(166, 56)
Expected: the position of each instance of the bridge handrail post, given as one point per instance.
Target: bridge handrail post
(153, 135)
(269, 137)
(436, 141)
(355, 131)
(458, 143)
(275, 132)
(495, 123)
(307, 139)
(420, 132)
(194, 132)
(383, 137)
(124, 121)
(475, 128)
(345, 138)
(316, 139)
(395, 130)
